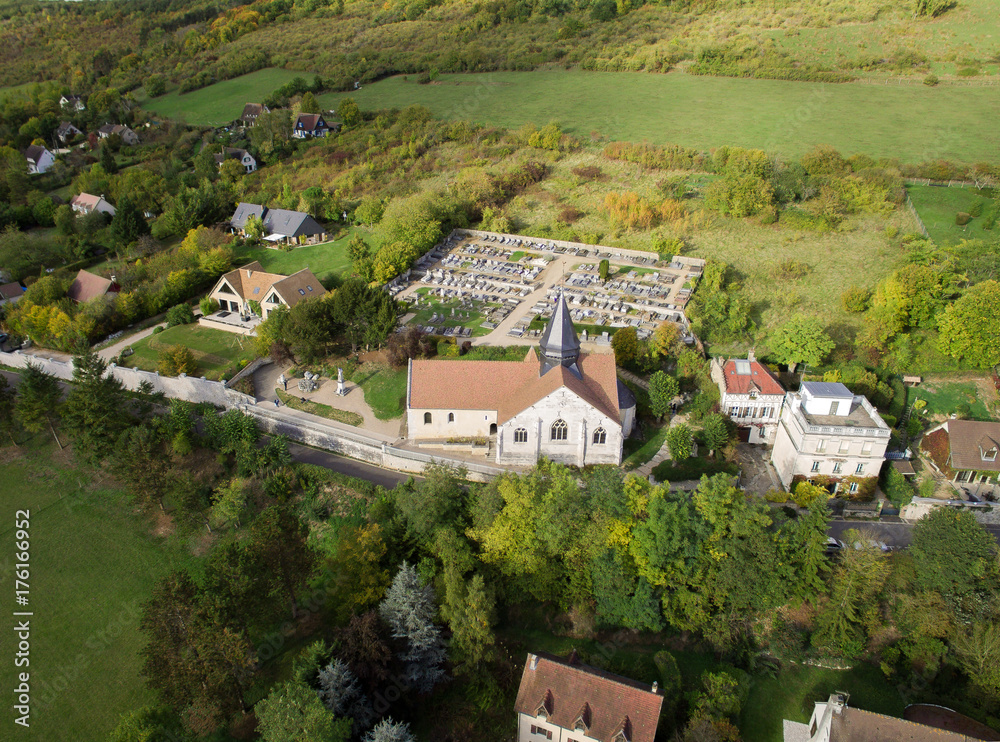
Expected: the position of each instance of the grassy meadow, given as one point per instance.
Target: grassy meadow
(222, 102)
(217, 352)
(93, 564)
(912, 122)
(328, 261)
(938, 205)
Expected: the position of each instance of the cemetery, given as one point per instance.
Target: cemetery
(473, 282)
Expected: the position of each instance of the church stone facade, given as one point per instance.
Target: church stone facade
(559, 402)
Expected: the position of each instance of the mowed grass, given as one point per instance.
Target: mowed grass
(327, 261)
(222, 102)
(792, 694)
(944, 397)
(384, 388)
(93, 564)
(938, 206)
(217, 352)
(912, 123)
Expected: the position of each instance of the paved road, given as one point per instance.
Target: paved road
(896, 535)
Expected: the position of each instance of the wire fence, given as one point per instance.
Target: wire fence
(916, 216)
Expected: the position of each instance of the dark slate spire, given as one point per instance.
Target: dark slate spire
(559, 345)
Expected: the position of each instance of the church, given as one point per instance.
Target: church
(558, 402)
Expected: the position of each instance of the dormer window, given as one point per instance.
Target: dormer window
(582, 721)
(624, 732)
(990, 454)
(544, 709)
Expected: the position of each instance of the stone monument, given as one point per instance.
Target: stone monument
(341, 391)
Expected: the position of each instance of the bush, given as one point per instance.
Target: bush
(855, 300)
(977, 208)
(177, 360)
(692, 469)
(776, 496)
(931, 80)
(182, 314)
(968, 72)
(208, 306)
(962, 218)
(157, 330)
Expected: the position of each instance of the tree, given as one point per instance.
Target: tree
(967, 327)
(679, 441)
(180, 314)
(108, 163)
(8, 420)
(38, 401)
(388, 730)
(716, 431)
(341, 693)
(140, 463)
(801, 340)
(177, 360)
(955, 556)
(662, 390)
(437, 502)
(308, 104)
(472, 632)
(603, 268)
(278, 539)
(208, 306)
(147, 724)
(978, 652)
(366, 650)
(156, 85)
(128, 224)
(664, 340)
(293, 711)
(348, 112)
(409, 610)
(625, 344)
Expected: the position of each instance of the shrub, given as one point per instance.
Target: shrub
(805, 494)
(177, 360)
(208, 306)
(977, 208)
(968, 72)
(855, 300)
(931, 80)
(588, 172)
(182, 314)
(776, 496)
(157, 330)
(569, 215)
(892, 232)
(789, 269)
(962, 218)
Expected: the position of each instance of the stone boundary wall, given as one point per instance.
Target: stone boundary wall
(357, 445)
(347, 442)
(190, 388)
(249, 370)
(624, 252)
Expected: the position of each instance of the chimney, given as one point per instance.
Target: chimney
(534, 661)
(249, 273)
(656, 686)
(751, 355)
(114, 279)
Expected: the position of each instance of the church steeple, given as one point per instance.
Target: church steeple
(559, 345)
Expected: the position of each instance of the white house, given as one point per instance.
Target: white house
(128, 136)
(40, 160)
(563, 700)
(72, 103)
(309, 125)
(827, 431)
(247, 160)
(750, 395)
(67, 131)
(84, 203)
(237, 289)
(559, 403)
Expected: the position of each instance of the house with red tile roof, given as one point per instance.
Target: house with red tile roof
(558, 402)
(750, 395)
(89, 286)
(563, 700)
(965, 451)
(236, 290)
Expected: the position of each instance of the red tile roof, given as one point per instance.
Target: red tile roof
(968, 440)
(570, 689)
(855, 725)
(759, 377)
(509, 387)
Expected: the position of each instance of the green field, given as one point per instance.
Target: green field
(219, 353)
(944, 397)
(938, 205)
(93, 564)
(327, 260)
(914, 123)
(222, 102)
(385, 389)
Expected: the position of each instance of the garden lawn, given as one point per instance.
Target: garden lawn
(944, 397)
(424, 313)
(219, 354)
(221, 103)
(653, 443)
(938, 206)
(93, 564)
(793, 692)
(385, 389)
(318, 408)
(911, 122)
(327, 260)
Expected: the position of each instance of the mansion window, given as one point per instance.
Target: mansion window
(451, 417)
(815, 466)
(854, 488)
(860, 469)
(838, 468)
(734, 411)
(866, 448)
(539, 730)
(845, 446)
(560, 431)
(521, 435)
(600, 436)
(427, 418)
(766, 413)
(821, 446)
